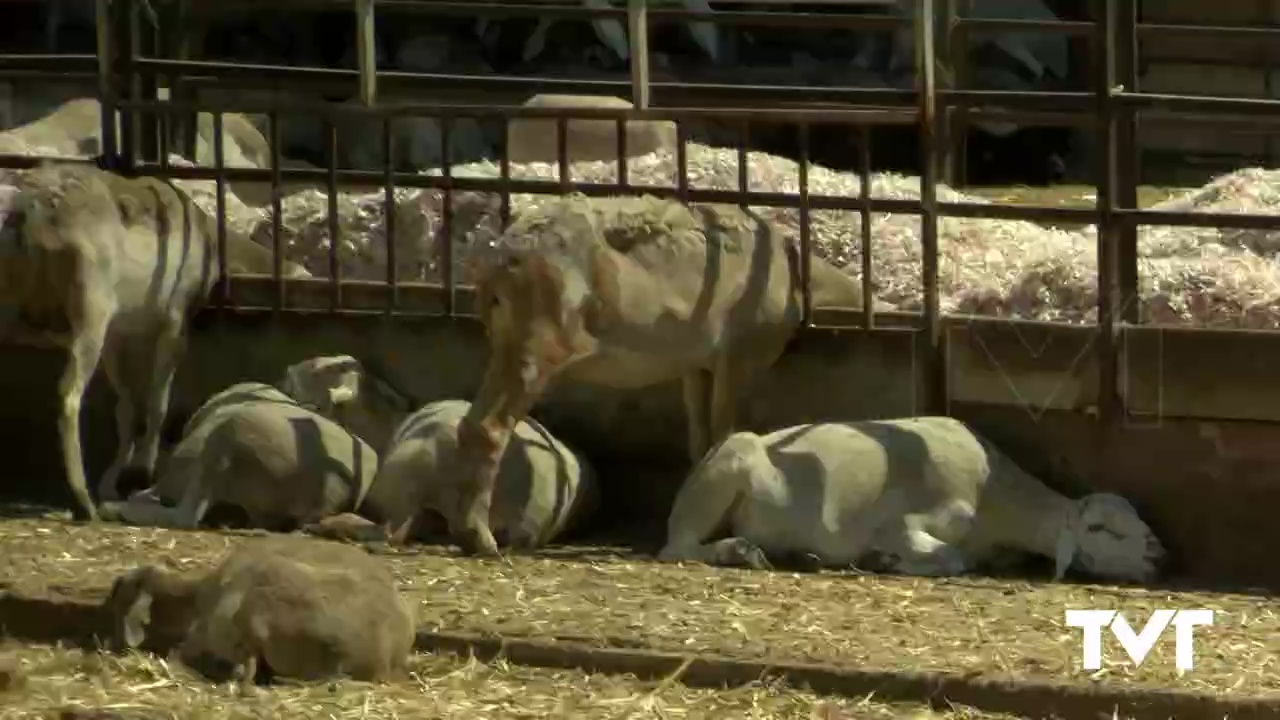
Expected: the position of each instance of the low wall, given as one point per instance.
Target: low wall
(1205, 485)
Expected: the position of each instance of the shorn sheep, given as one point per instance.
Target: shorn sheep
(629, 292)
(545, 487)
(255, 448)
(925, 496)
(107, 268)
(308, 609)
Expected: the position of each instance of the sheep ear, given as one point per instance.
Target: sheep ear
(1067, 544)
(346, 389)
(136, 619)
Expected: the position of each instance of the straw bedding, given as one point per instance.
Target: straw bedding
(999, 629)
(141, 686)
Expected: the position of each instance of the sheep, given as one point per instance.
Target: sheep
(926, 496)
(309, 609)
(628, 292)
(107, 267)
(253, 447)
(545, 488)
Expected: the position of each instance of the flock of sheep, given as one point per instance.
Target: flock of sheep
(625, 292)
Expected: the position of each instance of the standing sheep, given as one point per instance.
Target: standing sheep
(309, 609)
(255, 448)
(544, 487)
(629, 292)
(108, 268)
(928, 494)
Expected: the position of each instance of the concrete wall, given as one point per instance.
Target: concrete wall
(1206, 485)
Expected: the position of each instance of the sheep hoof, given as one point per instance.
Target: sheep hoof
(743, 553)
(111, 511)
(478, 542)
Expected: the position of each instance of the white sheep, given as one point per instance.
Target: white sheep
(927, 495)
(309, 609)
(544, 486)
(108, 268)
(253, 447)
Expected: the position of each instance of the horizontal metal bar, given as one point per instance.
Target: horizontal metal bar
(50, 63)
(1030, 213)
(1197, 103)
(983, 26)
(1074, 102)
(847, 114)
(1233, 221)
(1209, 32)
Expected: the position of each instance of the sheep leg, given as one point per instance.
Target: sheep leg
(707, 501)
(724, 399)
(85, 351)
(169, 348)
(126, 417)
(696, 387)
(916, 552)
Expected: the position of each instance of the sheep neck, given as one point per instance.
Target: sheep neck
(1021, 512)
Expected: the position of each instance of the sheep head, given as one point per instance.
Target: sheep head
(339, 388)
(149, 606)
(1105, 537)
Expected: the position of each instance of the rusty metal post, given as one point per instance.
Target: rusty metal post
(638, 40)
(1106, 82)
(926, 89)
(1127, 171)
(106, 82)
(367, 52)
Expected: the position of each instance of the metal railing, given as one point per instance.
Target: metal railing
(127, 78)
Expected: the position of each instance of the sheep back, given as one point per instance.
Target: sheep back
(255, 448)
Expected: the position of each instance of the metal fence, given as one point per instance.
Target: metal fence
(129, 65)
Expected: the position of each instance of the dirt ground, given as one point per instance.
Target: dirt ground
(52, 682)
(997, 629)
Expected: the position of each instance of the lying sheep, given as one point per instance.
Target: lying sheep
(928, 495)
(107, 268)
(254, 448)
(544, 487)
(628, 292)
(309, 609)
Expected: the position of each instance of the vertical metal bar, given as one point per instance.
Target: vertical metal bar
(126, 39)
(622, 153)
(389, 215)
(504, 171)
(1105, 44)
(220, 188)
(744, 168)
(446, 217)
(106, 82)
(961, 78)
(806, 250)
(562, 152)
(367, 52)
(1267, 16)
(638, 41)
(277, 251)
(682, 162)
(926, 66)
(946, 50)
(188, 127)
(148, 44)
(1126, 190)
(335, 236)
(864, 209)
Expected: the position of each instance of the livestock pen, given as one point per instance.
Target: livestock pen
(1031, 321)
